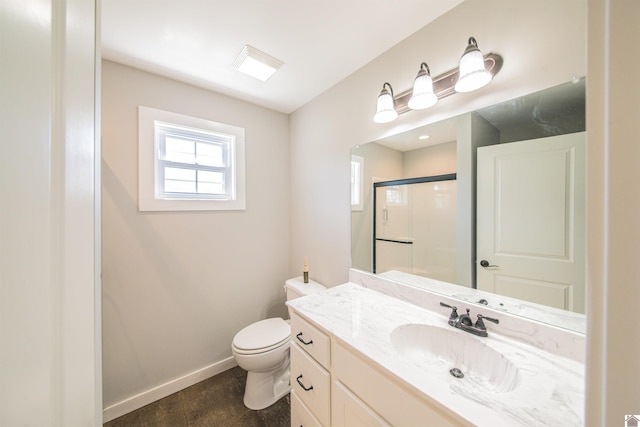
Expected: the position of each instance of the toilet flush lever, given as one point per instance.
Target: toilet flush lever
(299, 336)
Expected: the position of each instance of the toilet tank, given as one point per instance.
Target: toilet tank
(296, 288)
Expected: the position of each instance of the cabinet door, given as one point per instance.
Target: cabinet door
(349, 411)
(300, 414)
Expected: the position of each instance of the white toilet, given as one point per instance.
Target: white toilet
(262, 349)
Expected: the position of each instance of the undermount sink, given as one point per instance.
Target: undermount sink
(451, 350)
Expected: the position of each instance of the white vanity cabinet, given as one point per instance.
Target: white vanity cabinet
(333, 385)
(367, 356)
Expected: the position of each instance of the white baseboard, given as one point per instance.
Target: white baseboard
(138, 401)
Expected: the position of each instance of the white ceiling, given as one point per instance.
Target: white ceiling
(320, 41)
(436, 133)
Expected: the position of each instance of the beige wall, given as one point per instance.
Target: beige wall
(177, 286)
(433, 160)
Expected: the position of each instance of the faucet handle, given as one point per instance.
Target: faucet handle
(454, 312)
(453, 308)
(480, 322)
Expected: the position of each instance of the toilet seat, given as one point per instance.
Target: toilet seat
(261, 350)
(262, 336)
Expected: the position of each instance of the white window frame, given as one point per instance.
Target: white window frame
(199, 138)
(150, 184)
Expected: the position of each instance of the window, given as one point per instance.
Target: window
(186, 163)
(396, 195)
(357, 166)
(193, 164)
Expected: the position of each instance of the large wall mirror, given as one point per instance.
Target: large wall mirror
(505, 229)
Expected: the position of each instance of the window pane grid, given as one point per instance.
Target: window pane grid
(211, 182)
(188, 151)
(179, 150)
(210, 154)
(194, 181)
(180, 165)
(193, 164)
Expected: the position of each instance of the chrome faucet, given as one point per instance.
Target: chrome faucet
(465, 323)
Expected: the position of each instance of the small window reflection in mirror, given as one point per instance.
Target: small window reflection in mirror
(357, 166)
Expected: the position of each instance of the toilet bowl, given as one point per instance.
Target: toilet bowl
(262, 349)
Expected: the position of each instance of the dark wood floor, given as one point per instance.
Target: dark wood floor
(214, 402)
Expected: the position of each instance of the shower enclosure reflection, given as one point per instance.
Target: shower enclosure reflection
(415, 226)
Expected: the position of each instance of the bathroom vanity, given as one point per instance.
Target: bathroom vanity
(363, 358)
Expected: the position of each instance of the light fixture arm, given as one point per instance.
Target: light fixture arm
(424, 69)
(385, 86)
(472, 44)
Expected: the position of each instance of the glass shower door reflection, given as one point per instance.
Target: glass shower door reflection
(393, 229)
(414, 228)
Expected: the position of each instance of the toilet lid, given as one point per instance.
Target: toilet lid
(262, 334)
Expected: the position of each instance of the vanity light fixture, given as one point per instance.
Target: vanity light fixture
(473, 74)
(426, 91)
(422, 96)
(386, 110)
(256, 63)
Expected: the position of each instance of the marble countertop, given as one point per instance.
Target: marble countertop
(550, 389)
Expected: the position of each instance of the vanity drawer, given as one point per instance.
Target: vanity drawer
(300, 415)
(311, 383)
(311, 339)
